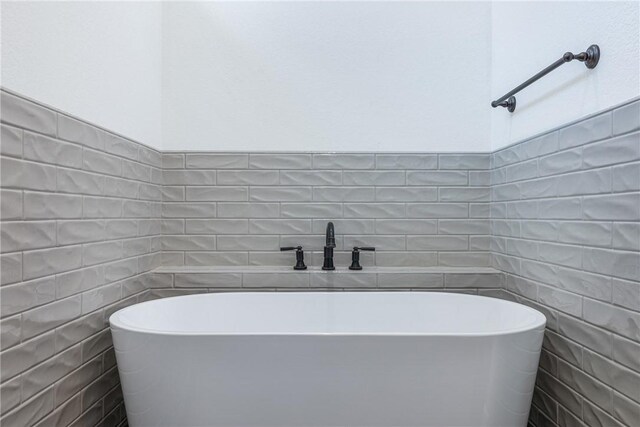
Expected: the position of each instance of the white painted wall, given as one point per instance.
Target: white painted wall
(328, 76)
(100, 61)
(528, 36)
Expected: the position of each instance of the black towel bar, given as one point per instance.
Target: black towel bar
(590, 59)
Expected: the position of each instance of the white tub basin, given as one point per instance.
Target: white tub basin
(328, 359)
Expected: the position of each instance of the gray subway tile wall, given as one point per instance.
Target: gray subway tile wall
(88, 218)
(286, 199)
(564, 223)
(80, 233)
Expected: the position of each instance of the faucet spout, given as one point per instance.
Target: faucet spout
(328, 248)
(330, 236)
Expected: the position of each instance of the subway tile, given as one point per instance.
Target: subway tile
(39, 148)
(619, 207)
(51, 206)
(626, 177)
(560, 300)
(208, 280)
(121, 147)
(189, 177)
(464, 259)
(373, 178)
(280, 194)
(343, 161)
(246, 242)
(564, 161)
(275, 280)
(26, 114)
(77, 281)
(479, 178)
(583, 232)
(11, 141)
(76, 131)
(405, 259)
(248, 210)
(79, 182)
(586, 131)
(173, 161)
(208, 161)
(617, 150)
(45, 318)
(24, 356)
(344, 226)
(189, 210)
(248, 177)
(172, 194)
(472, 226)
(406, 226)
(437, 210)
(149, 156)
(310, 210)
(624, 409)
(96, 253)
(406, 161)
(25, 295)
(217, 226)
(343, 194)
(437, 243)
(569, 256)
(101, 297)
(316, 177)
(74, 232)
(10, 204)
(588, 182)
(280, 161)
(615, 319)
(27, 175)
(522, 171)
(464, 161)
(585, 385)
(10, 268)
(334, 279)
(279, 226)
(189, 243)
(20, 236)
(118, 187)
(10, 393)
(436, 178)
(590, 336)
(540, 146)
(102, 207)
(568, 208)
(32, 410)
(626, 235)
(410, 280)
(136, 171)
(470, 194)
(373, 210)
(627, 118)
(406, 194)
(216, 258)
(222, 194)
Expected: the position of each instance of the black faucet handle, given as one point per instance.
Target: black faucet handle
(355, 256)
(291, 248)
(299, 256)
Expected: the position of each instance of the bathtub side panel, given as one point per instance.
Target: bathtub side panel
(326, 380)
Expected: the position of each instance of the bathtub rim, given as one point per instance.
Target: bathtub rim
(539, 324)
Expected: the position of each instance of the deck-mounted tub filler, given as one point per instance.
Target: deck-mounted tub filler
(328, 359)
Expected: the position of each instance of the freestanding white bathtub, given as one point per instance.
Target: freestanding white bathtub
(328, 359)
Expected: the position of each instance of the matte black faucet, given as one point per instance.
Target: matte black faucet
(328, 248)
